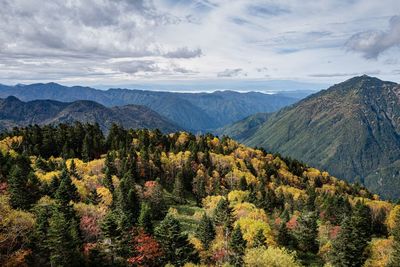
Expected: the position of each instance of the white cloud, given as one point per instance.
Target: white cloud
(99, 41)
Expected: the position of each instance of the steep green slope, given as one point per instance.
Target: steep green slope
(351, 129)
(14, 112)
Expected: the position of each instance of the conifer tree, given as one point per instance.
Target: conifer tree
(205, 231)
(307, 232)
(343, 248)
(223, 214)
(63, 240)
(259, 239)
(176, 247)
(66, 191)
(145, 218)
(128, 202)
(73, 171)
(361, 221)
(237, 246)
(178, 190)
(23, 187)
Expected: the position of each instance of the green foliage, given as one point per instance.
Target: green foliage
(205, 231)
(237, 246)
(307, 232)
(145, 218)
(63, 240)
(176, 247)
(66, 191)
(24, 186)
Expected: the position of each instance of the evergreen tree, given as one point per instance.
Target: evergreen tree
(38, 244)
(94, 197)
(107, 181)
(259, 239)
(67, 191)
(128, 202)
(394, 259)
(63, 240)
(23, 187)
(73, 171)
(237, 246)
(343, 249)
(307, 232)
(145, 218)
(176, 247)
(361, 221)
(205, 231)
(223, 214)
(178, 190)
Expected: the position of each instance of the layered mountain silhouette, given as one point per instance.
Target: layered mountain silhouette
(193, 111)
(351, 129)
(14, 112)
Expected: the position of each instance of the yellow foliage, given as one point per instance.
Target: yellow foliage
(234, 176)
(250, 227)
(183, 138)
(46, 177)
(210, 203)
(15, 226)
(81, 187)
(195, 242)
(106, 196)
(391, 220)
(379, 251)
(237, 196)
(270, 257)
(7, 143)
(295, 192)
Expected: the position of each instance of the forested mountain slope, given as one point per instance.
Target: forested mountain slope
(69, 196)
(194, 111)
(351, 129)
(14, 112)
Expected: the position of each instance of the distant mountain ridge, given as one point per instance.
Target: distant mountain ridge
(351, 129)
(193, 111)
(14, 112)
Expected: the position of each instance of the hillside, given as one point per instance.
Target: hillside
(193, 111)
(351, 129)
(140, 198)
(15, 113)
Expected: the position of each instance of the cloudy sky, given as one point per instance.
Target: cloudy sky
(117, 42)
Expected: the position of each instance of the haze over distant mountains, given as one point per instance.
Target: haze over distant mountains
(192, 111)
(14, 112)
(351, 129)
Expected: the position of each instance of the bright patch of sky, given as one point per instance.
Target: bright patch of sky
(199, 44)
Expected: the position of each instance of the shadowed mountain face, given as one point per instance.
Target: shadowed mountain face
(14, 112)
(351, 129)
(195, 112)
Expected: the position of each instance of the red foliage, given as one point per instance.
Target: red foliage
(220, 255)
(146, 250)
(3, 188)
(292, 223)
(334, 232)
(87, 247)
(90, 227)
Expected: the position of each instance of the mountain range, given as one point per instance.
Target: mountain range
(351, 129)
(14, 112)
(193, 111)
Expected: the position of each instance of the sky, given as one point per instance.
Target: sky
(220, 44)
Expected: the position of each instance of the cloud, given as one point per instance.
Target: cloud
(329, 75)
(372, 43)
(230, 73)
(184, 52)
(133, 67)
